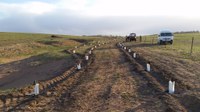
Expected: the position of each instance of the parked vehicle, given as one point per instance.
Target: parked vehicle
(131, 37)
(165, 37)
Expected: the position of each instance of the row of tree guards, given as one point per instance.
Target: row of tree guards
(36, 89)
(87, 56)
(171, 84)
(7, 101)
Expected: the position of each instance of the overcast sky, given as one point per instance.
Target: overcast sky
(90, 17)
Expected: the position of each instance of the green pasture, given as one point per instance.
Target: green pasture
(14, 46)
(181, 46)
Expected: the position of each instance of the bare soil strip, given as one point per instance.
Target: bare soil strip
(111, 81)
(160, 90)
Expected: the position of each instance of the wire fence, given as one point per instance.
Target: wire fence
(187, 44)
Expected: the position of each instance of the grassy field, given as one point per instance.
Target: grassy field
(181, 46)
(17, 46)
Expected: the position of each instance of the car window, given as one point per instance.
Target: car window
(166, 34)
(132, 34)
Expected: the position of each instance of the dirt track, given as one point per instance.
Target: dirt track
(112, 81)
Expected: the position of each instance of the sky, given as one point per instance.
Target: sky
(99, 17)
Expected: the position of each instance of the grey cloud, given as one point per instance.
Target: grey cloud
(67, 22)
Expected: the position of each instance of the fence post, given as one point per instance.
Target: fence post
(153, 40)
(192, 45)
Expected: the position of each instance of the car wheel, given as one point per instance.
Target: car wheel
(171, 42)
(161, 42)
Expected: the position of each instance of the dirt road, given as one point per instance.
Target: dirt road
(111, 82)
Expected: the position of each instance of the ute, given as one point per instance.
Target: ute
(131, 37)
(165, 36)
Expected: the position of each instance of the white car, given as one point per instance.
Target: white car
(165, 37)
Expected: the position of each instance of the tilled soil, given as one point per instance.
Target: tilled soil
(183, 70)
(110, 83)
(170, 67)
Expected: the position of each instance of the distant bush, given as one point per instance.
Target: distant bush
(186, 32)
(55, 36)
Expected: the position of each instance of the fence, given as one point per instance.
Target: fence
(187, 44)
